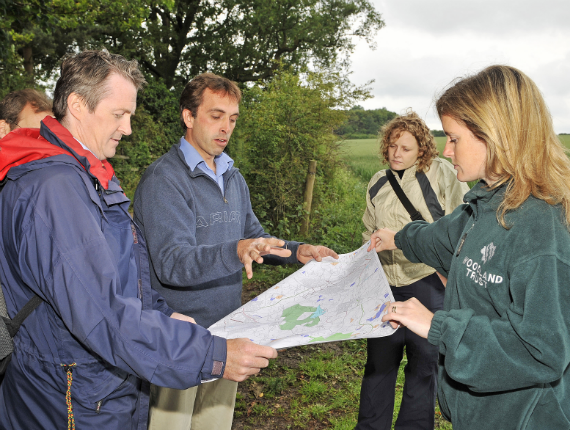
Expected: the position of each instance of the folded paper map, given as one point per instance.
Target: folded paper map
(321, 302)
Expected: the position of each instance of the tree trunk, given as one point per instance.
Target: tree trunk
(29, 64)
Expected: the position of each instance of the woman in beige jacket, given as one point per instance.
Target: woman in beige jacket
(430, 184)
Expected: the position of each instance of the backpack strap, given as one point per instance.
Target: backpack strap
(430, 197)
(414, 213)
(13, 325)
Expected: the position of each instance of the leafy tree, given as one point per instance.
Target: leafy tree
(282, 126)
(177, 39)
(243, 39)
(36, 34)
(12, 75)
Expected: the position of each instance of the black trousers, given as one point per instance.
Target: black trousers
(384, 356)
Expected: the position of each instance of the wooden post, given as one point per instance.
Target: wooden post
(308, 199)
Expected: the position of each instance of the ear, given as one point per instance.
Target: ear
(4, 128)
(188, 118)
(76, 106)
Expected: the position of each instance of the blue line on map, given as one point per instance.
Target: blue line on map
(378, 314)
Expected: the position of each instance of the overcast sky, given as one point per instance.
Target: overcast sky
(427, 43)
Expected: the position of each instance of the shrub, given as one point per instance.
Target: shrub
(283, 125)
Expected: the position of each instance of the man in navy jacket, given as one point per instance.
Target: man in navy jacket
(195, 211)
(86, 355)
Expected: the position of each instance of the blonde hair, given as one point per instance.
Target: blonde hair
(413, 124)
(503, 107)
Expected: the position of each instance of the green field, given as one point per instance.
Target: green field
(362, 155)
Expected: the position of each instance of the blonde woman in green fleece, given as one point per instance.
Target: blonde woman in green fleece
(504, 332)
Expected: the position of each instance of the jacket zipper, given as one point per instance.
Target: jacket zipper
(226, 181)
(460, 247)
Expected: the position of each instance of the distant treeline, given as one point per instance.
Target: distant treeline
(366, 124)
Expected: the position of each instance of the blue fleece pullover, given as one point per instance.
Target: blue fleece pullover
(192, 233)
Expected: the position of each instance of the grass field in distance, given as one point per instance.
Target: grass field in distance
(362, 155)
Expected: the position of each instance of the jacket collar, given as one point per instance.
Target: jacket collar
(409, 173)
(26, 145)
(481, 197)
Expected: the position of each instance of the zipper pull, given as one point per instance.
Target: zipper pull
(463, 240)
(98, 409)
(225, 201)
(461, 244)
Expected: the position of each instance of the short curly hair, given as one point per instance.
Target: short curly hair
(412, 123)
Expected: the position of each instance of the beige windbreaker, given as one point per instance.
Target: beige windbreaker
(434, 193)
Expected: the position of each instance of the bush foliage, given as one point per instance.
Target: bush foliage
(283, 125)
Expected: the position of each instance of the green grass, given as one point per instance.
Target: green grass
(363, 158)
(319, 390)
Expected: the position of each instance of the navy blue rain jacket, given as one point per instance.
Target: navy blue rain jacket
(102, 332)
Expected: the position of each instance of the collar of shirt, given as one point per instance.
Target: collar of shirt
(84, 147)
(194, 159)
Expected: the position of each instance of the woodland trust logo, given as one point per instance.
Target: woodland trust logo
(474, 271)
(488, 252)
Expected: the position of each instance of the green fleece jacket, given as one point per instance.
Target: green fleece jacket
(504, 333)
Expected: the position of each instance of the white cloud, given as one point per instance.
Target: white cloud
(427, 44)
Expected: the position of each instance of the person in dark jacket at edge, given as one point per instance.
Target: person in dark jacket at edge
(85, 358)
(504, 331)
(194, 208)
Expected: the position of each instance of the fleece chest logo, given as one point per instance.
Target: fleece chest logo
(474, 273)
(487, 252)
(218, 217)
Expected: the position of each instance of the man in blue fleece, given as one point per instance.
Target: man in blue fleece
(194, 208)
